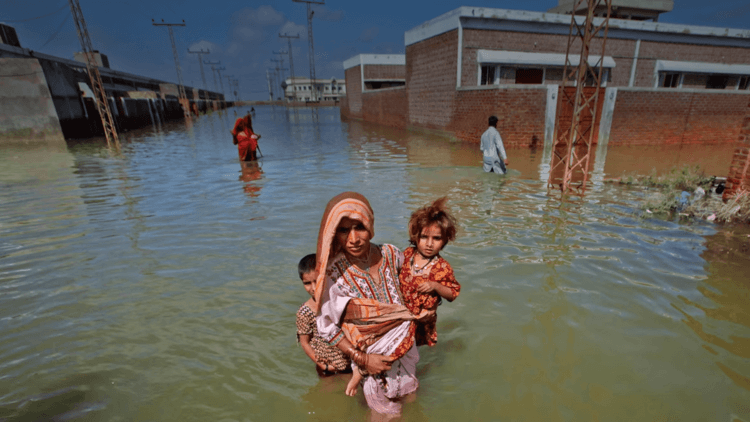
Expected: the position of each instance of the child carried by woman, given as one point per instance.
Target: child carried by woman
(426, 277)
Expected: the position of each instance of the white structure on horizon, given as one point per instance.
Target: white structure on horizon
(325, 89)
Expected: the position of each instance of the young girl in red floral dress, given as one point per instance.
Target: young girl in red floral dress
(426, 278)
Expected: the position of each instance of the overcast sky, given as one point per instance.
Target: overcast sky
(243, 35)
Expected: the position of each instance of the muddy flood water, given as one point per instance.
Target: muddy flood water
(160, 284)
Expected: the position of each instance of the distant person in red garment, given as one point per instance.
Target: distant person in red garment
(245, 139)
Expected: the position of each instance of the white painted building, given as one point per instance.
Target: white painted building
(300, 89)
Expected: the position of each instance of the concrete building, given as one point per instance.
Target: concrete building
(638, 10)
(31, 81)
(301, 90)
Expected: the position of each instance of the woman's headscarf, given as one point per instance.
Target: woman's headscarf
(347, 204)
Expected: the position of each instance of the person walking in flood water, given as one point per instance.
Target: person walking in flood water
(493, 151)
(245, 139)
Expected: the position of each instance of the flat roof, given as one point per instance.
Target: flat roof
(553, 23)
(375, 59)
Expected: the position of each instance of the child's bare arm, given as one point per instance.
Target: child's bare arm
(433, 286)
(304, 341)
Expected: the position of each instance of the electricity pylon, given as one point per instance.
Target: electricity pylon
(181, 88)
(100, 96)
(577, 138)
(313, 93)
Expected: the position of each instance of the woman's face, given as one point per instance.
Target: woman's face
(353, 237)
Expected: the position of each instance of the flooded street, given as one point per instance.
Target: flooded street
(160, 284)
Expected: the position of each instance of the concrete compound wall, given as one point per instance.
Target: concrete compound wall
(27, 112)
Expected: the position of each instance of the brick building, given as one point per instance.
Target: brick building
(471, 62)
(375, 87)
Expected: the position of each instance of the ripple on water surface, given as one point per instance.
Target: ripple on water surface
(161, 284)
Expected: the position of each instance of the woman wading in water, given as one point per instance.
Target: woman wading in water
(359, 305)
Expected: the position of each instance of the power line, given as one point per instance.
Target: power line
(59, 28)
(38, 17)
(310, 12)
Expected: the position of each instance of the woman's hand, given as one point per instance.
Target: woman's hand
(378, 363)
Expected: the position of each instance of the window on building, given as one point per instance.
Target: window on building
(716, 81)
(527, 75)
(488, 74)
(744, 82)
(671, 80)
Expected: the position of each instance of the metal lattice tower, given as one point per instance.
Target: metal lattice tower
(100, 96)
(314, 92)
(180, 87)
(572, 149)
(200, 61)
(270, 89)
(291, 62)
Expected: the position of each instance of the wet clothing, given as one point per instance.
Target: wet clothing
(352, 296)
(439, 270)
(368, 312)
(324, 352)
(247, 144)
(493, 151)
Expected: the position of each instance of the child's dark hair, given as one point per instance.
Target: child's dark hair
(435, 213)
(306, 265)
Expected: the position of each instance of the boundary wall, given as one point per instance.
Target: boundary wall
(27, 112)
(135, 101)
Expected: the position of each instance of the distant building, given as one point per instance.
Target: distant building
(300, 89)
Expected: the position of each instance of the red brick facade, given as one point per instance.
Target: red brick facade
(520, 113)
(431, 80)
(676, 117)
(354, 91)
(738, 178)
(386, 106)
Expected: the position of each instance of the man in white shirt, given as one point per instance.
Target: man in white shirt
(493, 150)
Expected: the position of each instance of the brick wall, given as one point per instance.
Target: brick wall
(381, 71)
(738, 177)
(674, 117)
(354, 91)
(520, 113)
(387, 107)
(431, 80)
(650, 51)
(475, 39)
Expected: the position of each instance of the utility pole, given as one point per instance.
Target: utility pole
(100, 96)
(181, 88)
(200, 61)
(229, 84)
(221, 83)
(291, 63)
(213, 72)
(313, 93)
(277, 80)
(270, 85)
(282, 79)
